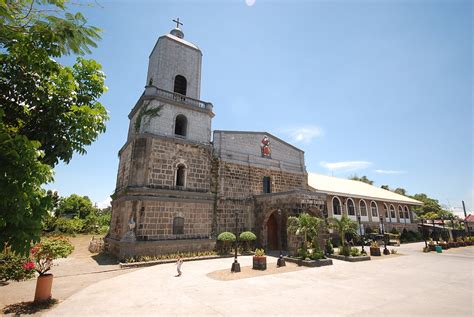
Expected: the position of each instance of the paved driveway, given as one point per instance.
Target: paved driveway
(415, 284)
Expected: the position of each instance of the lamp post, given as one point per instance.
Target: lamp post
(236, 266)
(443, 234)
(385, 250)
(423, 232)
(434, 231)
(281, 260)
(362, 237)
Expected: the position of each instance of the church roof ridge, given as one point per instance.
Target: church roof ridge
(261, 132)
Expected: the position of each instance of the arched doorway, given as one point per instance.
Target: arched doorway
(272, 232)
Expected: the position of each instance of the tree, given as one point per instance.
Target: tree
(385, 187)
(48, 111)
(400, 191)
(343, 226)
(430, 209)
(306, 225)
(75, 205)
(363, 179)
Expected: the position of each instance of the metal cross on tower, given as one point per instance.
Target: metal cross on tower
(177, 23)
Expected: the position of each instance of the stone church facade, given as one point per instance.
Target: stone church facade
(179, 185)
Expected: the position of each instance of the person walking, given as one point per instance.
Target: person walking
(179, 262)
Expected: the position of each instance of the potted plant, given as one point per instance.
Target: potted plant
(42, 256)
(375, 249)
(259, 260)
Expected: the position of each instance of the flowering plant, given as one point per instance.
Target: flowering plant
(13, 266)
(43, 253)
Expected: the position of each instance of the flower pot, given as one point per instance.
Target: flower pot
(375, 251)
(44, 283)
(432, 247)
(259, 263)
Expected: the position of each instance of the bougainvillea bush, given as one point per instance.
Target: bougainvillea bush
(15, 267)
(49, 249)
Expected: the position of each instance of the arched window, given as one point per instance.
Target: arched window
(178, 225)
(400, 212)
(336, 206)
(350, 207)
(374, 210)
(180, 85)
(180, 125)
(267, 185)
(407, 213)
(385, 211)
(363, 208)
(392, 212)
(181, 175)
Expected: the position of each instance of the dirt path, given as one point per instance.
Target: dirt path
(71, 275)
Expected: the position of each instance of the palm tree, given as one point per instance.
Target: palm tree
(306, 225)
(343, 226)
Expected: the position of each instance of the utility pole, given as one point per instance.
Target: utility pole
(466, 224)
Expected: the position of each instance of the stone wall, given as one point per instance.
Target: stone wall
(166, 156)
(155, 219)
(236, 186)
(244, 148)
(123, 250)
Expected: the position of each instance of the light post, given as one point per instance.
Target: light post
(362, 238)
(236, 266)
(385, 250)
(424, 232)
(281, 260)
(443, 235)
(434, 231)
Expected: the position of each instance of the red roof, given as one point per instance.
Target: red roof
(470, 218)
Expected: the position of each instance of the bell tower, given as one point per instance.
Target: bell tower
(173, 85)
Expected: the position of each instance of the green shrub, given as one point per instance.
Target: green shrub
(247, 236)
(48, 250)
(14, 267)
(394, 231)
(355, 252)
(226, 237)
(317, 255)
(345, 250)
(69, 226)
(329, 247)
(49, 223)
(302, 253)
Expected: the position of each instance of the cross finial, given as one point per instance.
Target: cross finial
(177, 23)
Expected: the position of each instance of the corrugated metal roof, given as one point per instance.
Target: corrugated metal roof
(356, 189)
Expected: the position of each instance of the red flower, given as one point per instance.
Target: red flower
(28, 266)
(34, 250)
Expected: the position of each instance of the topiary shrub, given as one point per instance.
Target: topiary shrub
(394, 231)
(247, 237)
(329, 247)
(226, 238)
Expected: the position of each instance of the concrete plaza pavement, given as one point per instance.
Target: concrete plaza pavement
(412, 284)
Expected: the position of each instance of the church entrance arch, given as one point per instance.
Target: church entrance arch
(272, 232)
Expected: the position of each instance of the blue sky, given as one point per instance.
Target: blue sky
(376, 88)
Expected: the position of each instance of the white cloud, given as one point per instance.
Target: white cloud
(105, 203)
(389, 172)
(304, 134)
(346, 166)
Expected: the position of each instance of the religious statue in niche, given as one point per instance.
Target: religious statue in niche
(265, 147)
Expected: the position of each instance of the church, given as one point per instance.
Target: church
(180, 184)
